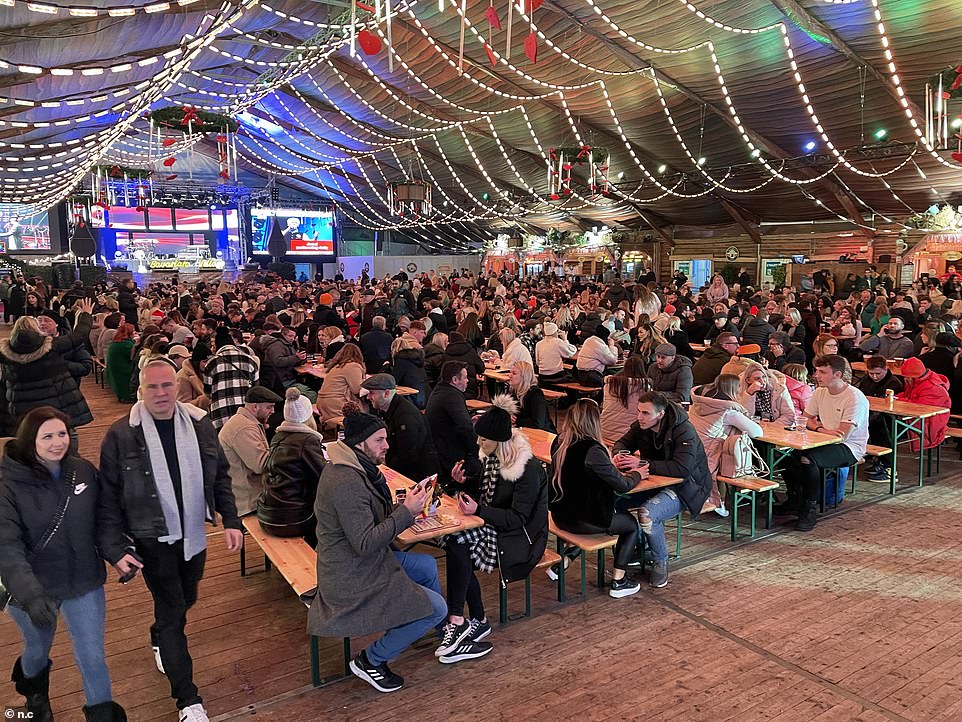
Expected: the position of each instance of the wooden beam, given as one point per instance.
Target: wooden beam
(739, 215)
(649, 218)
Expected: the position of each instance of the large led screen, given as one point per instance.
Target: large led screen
(308, 233)
(23, 230)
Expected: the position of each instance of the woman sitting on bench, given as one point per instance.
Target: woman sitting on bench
(584, 485)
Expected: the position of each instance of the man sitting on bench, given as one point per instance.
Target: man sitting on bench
(839, 409)
(670, 446)
(363, 583)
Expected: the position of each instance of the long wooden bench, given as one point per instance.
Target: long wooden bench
(745, 490)
(549, 559)
(871, 451)
(579, 389)
(584, 543)
(296, 560)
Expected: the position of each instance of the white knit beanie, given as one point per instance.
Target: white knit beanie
(297, 408)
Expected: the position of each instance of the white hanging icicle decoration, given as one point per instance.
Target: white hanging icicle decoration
(390, 40)
(507, 43)
(464, 13)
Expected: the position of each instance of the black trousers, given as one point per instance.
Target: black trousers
(462, 581)
(807, 478)
(590, 378)
(173, 584)
(623, 524)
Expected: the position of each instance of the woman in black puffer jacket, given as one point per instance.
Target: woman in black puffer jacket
(33, 372)
(408, 369)
(38, 474)
(286, 506)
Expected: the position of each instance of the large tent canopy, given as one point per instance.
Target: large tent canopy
(710, 112)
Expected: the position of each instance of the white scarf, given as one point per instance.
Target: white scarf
(191, 477)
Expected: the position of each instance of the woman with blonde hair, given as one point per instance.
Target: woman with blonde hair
(716, 414)
(763, 394)
(342, 384)
(533, 413)
(584, 487)
(332, 339)
(514, 349)
(645, 302)
(434, 357)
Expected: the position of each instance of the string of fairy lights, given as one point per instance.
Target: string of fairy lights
(416, 130)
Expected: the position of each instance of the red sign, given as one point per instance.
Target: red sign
(306, 245)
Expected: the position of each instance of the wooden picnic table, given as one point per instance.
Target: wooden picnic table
(496, 374)
(859, 366)
(449, 508)
(907, 418)
(477, 405)
(698, 347)
(540, 441)
(320, 371)
(782, 442)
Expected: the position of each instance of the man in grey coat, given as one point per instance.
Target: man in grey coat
(363, 584)
(671, 374)
(890, 342)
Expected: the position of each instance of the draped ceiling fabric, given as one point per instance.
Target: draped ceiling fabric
(340, 127)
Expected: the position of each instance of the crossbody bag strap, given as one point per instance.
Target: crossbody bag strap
(58, 518)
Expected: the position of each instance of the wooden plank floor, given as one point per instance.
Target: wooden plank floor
(861, 619)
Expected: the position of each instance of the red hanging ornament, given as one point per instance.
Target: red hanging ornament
(555, 197)
(168, 162)
(530, 5)
(221, 138)
(531, 47)
(140, 209)
(171, 176)
(224, 174)
(115, 171)
(958, 79)
(167, 142)
(492, 16)
(365, 6)
(369, 42)
(957, 157)
(190, 116)
(491, 56)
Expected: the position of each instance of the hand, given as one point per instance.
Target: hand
(466, 504)
(457, 473)
(302, 355)
(416, 499)
(43, 611)
(626, 462)
(126, 563)
(86, 305)
(234, 539)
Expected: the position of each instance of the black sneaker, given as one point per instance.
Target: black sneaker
(378, 676)
(479, 630)
(624, 587)
(452, 636)
(658, 577)
(468, 650)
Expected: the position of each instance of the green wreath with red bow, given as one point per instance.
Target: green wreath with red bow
(188, 119)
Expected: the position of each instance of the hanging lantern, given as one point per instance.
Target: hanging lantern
(410, 198)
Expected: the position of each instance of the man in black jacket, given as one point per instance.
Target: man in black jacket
(781, 352)
(669, 443)
(162, 472)
(450, 423)
(411, 449)
(376, 345)
(707, 368)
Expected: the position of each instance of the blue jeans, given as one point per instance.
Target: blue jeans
(652, 516)
(85, 622)
(422, 570)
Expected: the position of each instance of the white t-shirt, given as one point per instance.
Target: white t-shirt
(849, 406)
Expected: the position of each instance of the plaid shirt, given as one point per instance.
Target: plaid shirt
(229, 375)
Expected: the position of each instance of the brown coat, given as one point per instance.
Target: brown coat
(361, 587)
(246, 448)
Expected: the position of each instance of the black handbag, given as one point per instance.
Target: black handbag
(47, 535)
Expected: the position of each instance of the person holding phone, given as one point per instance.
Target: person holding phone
(51, 568)
(513, 502)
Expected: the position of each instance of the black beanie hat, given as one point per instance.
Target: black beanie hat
(495, 423)
(358, 426)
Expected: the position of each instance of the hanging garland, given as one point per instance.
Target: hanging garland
(123, 172)
(187, 119)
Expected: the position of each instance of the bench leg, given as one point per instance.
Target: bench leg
(854, 476)
(584, 575)
(562, 595)
(243, 555)
(267, 564)
(315, 663)
(527, 596)
(316, 679)
(752, 497)
(770, 511)
(736, 500)
(601, 569)
(503, 603)
(678, 536)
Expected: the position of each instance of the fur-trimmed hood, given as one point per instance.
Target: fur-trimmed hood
(520, 442)
(24, 356)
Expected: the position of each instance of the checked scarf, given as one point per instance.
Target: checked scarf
(483, 541)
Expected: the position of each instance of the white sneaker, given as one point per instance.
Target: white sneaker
(194, 713)
(721, 511)
(552, 574)
(157, 660)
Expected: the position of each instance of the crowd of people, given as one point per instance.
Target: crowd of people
(282, 399)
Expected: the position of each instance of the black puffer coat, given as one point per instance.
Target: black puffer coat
(408, 370)
(70, 565)
(286, 506)
(466, 353)
(33, 373)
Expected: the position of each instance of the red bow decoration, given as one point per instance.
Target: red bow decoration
(957, 157)
(585, 151)
(167, 142)
(958, 79)
(168, 162)
(171, 176)
(492, 15)
(224, 174)
(552, 154)
(531, 47)
(140, 209)
(491, 55)
(190, 114)
(365, 6)
(115, 171)
(555, 197)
